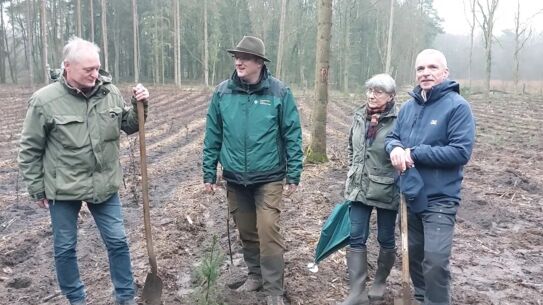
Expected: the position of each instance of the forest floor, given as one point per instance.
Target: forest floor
(497, 256)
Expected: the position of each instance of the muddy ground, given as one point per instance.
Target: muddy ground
(497, 256)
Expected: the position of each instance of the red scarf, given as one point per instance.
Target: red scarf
(373, 115)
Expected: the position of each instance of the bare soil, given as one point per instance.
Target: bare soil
(497, 257)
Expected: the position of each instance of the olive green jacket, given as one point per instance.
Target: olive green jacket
(371, 176)
(69, 147)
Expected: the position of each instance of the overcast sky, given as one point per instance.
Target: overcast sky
(455, 22)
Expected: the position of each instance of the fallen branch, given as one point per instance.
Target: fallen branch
(50, 297)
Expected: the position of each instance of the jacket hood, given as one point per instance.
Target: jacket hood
(437, 92)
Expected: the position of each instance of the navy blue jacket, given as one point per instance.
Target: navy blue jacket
(440, 133)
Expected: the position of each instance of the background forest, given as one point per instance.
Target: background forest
(183, 41)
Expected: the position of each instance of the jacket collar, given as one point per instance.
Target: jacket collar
(393, 112)
(103, 78)
(236, 84)
(436, 93)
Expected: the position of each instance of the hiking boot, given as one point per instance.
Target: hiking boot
(252, 283)
(384, 264)
(274, 300)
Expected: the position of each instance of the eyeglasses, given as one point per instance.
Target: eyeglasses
(242, 56)
(375, 92)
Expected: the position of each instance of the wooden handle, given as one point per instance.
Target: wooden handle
(145, 189)
(406, 291)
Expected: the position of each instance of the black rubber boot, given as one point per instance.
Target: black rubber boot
(384, 265)
(357, 262)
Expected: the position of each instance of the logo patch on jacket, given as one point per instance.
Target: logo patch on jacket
(263, 102)
(433, 122)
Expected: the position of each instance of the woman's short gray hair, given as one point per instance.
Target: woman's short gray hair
(74, 47)
(383, 82)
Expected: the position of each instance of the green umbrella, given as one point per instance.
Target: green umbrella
(335, 232)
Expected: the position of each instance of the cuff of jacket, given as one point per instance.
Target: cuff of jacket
(38, 196)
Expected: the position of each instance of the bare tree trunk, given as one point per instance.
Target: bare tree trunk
(175, 33)
(3, 53)
(179, 68)
(135, 40)
(91, 8)
(522, 34)
(78, 9)
(13, 62)
(206, 50)
(104, 34)
(487, 26)
(281, 45)
(30, 43)
(471, 39)
(389, 38)
(316, 152)
(43, 25)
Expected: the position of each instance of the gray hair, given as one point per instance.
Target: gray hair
(438, 55)
(383, 82)
(75, 46)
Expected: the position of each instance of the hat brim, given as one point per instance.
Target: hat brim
(234, 51)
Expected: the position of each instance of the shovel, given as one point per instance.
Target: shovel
(152, 289)
(406, 291)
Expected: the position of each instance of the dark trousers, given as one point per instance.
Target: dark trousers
(256, 210)
(360, 226)
(430, 244)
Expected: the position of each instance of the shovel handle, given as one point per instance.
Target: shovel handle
(406, 291)
(145, 189)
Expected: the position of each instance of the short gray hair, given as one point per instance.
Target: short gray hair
(438, 55)
(383, 82)
(74, 47)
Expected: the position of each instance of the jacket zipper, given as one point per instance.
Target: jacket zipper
(245, 138)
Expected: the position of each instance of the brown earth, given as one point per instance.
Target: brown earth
(497, 256)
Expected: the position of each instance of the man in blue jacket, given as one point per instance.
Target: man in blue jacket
(434, 132)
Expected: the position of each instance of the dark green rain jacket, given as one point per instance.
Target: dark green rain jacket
(254, 132)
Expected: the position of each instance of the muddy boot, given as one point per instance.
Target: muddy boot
(251, 255)
(384, 264)
(358, 273)
(252, 283)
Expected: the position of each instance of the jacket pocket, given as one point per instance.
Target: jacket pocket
(71, 130)
(110, 124)
(380, 188)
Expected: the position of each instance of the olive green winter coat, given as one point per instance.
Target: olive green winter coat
(69, 147)
(371, 176)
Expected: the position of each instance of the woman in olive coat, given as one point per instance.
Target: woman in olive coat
(371, 185)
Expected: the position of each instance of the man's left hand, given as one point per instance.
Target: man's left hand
(289, 189)
(140, 93)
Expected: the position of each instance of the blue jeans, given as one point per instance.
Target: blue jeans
(430, 244)
(109, 220)
(360, 226)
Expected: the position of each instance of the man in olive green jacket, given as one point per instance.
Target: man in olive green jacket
(69, 153)
(253, 130)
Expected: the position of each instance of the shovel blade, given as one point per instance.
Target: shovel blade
(152, 290)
